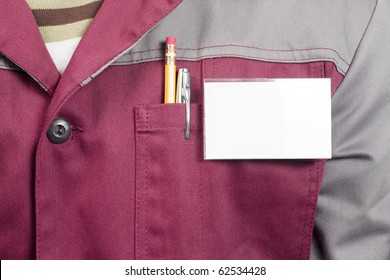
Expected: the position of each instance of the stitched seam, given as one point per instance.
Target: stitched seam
(190, 58)
(313, 209)
(246, 47)
(364, 33)
(301, 251)
(203, 69)
(138, 37)
(202, 223)
(212, 69)
(37, 206)
(136, 61)
(275, 50)
(163, 127)
(323, 70)
(137, 194)
(202, 191)
(260, 57)
(318, 69)
(146, 188)
(202, 207)
(145, 51)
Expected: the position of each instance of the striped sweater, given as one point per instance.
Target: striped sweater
(62, 23)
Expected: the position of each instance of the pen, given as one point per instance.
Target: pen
(183, 95)
(170, 70)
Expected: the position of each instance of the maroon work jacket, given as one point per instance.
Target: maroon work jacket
(126, 184)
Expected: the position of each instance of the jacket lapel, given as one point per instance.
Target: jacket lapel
(117, 26)
(21, 42)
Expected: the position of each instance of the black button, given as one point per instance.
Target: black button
(59, 131)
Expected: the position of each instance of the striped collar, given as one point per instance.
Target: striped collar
(63, 20)
(62, 25)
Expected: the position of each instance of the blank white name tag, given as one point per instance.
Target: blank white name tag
(267, 119)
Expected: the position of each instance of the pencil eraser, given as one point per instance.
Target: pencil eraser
(171, 41)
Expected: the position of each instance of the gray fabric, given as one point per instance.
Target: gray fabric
(353, 216)
(6, 64)
(282, 31)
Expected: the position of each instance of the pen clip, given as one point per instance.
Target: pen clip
(184, 96)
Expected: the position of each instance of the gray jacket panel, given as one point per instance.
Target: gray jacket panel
(353, 220)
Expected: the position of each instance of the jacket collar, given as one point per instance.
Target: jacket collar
(21, 42)
(115, 28)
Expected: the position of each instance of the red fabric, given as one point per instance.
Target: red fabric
(191, 208)
(21, 41)
(127, 185)
(22, 109)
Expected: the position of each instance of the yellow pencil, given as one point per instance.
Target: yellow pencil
(170, 70)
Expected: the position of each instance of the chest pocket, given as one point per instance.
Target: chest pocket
(189, 208)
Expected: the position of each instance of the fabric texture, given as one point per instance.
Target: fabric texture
(127, 185)
(62, 24)
(353, 218)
